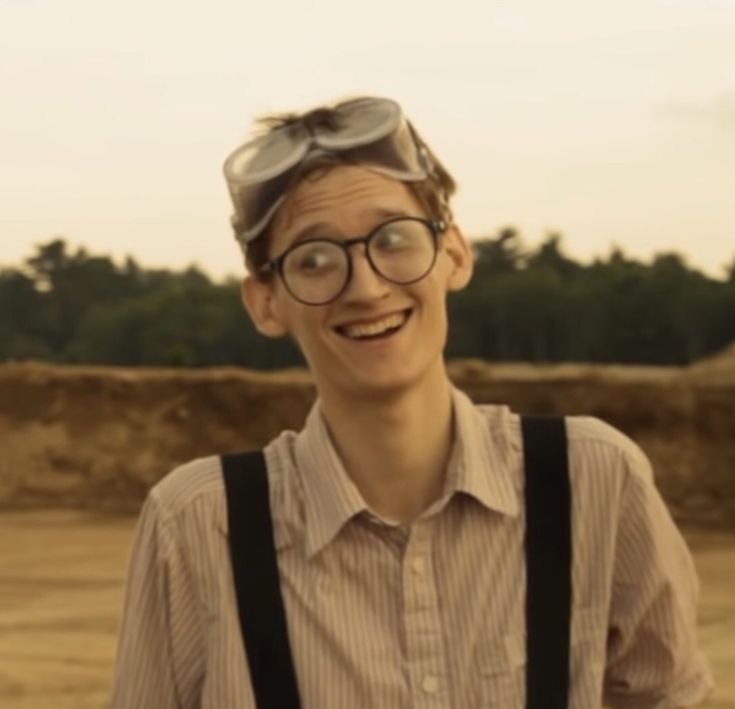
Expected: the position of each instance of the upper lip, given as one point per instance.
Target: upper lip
(372, 318)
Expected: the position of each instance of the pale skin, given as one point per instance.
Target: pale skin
(387, 404)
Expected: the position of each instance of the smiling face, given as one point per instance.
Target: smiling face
(376, 338)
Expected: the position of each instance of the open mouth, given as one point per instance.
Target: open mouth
(379, 329)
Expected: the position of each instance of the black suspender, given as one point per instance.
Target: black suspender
(548, 568)
(257, 585)
(548, 562)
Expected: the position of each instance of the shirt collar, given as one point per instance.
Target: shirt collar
(331, 499)
(481, 462)
(478, 466)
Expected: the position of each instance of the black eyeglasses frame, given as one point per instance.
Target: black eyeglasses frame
(436, 227)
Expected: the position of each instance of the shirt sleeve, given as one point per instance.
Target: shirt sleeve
(653, 659)
(145, 669)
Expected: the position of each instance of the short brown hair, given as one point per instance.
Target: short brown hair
(433, 192)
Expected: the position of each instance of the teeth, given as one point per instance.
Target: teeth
(376, 327)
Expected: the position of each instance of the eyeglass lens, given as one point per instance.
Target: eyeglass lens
(401, 251)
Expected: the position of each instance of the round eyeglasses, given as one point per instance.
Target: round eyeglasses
(317, 271)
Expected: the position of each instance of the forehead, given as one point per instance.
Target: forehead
(346, 199)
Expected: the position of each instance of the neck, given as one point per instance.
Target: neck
(395, 448)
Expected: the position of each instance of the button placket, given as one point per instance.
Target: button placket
(426, 655)
(418, 566)
(430, 684)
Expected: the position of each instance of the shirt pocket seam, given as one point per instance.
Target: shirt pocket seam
(509, 653)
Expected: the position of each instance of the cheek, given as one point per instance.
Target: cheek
(305, 325)
(434, 288)
(434, 299)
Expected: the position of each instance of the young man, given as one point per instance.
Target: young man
(398, 511)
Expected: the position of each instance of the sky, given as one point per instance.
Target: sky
(612, 123)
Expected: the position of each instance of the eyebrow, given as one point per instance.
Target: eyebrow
(320, 228)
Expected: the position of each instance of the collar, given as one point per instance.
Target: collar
(481, 461)
(331, 499)
(478, 466)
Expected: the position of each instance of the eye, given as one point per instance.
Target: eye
(314, 259)
(393, 237)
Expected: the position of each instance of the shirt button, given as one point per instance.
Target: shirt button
(418, 566)
(430, 684)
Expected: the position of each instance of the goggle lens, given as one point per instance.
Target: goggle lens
(371, 132)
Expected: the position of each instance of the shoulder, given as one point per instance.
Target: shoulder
(606, 469)
(193, 494)
(586, 434)
(606, 466)
(591, 442)
(189, 499)
(187, 485)
(599, 454)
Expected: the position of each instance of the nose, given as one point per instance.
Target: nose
(365, 283)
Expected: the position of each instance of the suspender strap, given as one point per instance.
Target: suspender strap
(548, 569)
(548, 562)
(255, 571)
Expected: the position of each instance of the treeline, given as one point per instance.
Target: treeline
(536, 305)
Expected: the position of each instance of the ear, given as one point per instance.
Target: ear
(259, 299)
(461, 260)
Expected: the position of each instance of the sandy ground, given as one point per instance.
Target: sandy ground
(61, 581)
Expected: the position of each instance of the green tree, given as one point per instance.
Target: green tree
(21, 333)
(539, 305)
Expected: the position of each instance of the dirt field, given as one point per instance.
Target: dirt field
(61, 580)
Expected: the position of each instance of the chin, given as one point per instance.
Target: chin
(385, 385)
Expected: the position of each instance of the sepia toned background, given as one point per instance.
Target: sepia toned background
(596, 131)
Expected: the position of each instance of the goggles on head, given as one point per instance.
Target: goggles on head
(371, 132)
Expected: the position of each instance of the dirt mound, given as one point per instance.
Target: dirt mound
(718, 369)
(100, 437)
(95, 436)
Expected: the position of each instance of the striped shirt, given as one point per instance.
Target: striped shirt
(429, 615)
